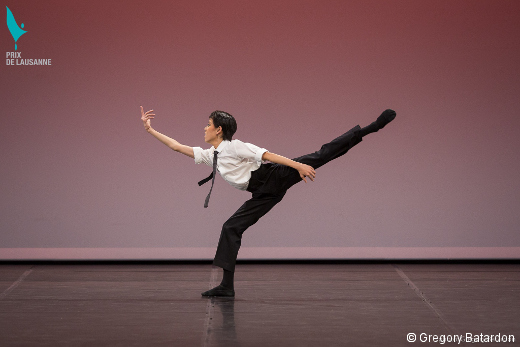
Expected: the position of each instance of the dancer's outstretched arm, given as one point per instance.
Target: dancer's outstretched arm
(168, 141)
(304, 169)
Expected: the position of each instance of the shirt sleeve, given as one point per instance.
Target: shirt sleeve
(248, 151)
(202, 156)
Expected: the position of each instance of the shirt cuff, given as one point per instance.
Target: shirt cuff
(260, 153)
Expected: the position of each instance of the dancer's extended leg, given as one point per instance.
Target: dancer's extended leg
(386, 117)
(334, 149)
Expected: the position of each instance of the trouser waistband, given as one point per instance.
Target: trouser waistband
(259, 177)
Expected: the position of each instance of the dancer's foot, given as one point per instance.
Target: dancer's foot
(219, 291)
(386, 117)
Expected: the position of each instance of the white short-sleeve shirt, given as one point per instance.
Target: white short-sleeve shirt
(236, 160)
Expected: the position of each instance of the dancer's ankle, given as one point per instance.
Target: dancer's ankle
(228, 279)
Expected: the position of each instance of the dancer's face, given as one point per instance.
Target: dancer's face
(211, 133)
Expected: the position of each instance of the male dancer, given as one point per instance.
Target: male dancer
(242, 165)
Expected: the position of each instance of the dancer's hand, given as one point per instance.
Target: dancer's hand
(306, 171)
(145, 117)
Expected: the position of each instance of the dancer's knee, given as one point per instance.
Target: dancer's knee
(233, 227)
(229, 227)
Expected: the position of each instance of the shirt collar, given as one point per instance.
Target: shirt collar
(222, 145)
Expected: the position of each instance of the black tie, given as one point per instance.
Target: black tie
(212, 176)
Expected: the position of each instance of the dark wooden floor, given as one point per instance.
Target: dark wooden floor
(147, 304)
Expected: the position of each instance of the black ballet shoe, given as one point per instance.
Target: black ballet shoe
(219, 291)
(386, 117)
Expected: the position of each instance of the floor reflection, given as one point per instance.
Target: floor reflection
(222, 329)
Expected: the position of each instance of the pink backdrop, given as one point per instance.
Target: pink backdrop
(79, 171)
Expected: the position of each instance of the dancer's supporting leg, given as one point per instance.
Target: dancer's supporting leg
(231, 235)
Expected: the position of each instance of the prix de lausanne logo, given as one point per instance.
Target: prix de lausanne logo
(15, 30)
(15, 58)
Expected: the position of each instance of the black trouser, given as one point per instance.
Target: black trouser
(268, 185)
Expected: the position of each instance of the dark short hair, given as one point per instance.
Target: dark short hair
(226, 121)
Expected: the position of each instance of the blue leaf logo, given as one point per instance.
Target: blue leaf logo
(15, 30)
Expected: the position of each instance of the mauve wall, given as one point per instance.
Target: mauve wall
(81, 178)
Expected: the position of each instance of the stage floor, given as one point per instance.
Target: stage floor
(350, 304)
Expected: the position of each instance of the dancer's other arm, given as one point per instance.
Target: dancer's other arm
(168, 141)
(303, 169)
